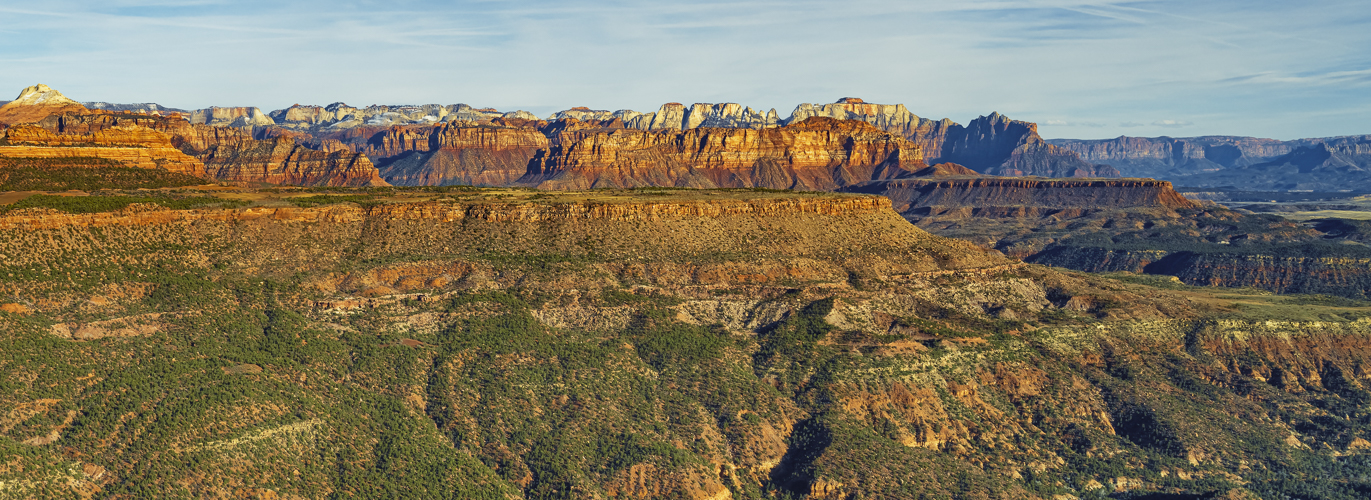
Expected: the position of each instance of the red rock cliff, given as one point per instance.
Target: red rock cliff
(816, 154)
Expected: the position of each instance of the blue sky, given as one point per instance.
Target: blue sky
(1085, 69)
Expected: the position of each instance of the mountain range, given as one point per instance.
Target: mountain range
(1249, 163)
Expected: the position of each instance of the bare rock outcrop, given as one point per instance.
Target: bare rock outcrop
(230, 117)
(35, 103)
(817, 154)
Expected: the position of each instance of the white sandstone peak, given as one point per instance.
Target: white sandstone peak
(42, 95)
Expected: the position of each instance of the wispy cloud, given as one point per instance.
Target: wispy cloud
(1082, 66)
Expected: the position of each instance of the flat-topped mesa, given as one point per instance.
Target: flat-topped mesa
(988, 195)
(819, 154)
(131, 145)
(784, 236)
(575, 211)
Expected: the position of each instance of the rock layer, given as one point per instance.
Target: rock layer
(132, 145)
(35, 103)
(817, 154)
(990, 193)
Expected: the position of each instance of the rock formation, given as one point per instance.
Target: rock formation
(997, 145)
(143, 107)
(283, 161)
(230, 117)
(816, 154)
(340, 116)
(984, 195)
(172, 143)
(35, 103)
(131, 145)
(455, 153)
(1221, 160)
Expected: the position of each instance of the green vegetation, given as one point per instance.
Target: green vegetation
(84, 174)
(97, 204)
(329, 199)
(254, 359)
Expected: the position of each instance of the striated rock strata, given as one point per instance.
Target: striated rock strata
(131, 145)
(1008, 195)
(816, 154)
(223, 153)
(35, 103)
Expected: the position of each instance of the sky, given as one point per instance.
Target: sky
(1080, 69)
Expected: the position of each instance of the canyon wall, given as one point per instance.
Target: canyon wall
(171, 143)
(923, 195)
(816, 154)
(1244, 162)
(131, 145)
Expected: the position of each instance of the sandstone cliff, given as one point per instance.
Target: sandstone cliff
(131, 145)
(283, 161)
(230, 117)
(816, 154)
(222, 153)
(1007, 195)
(993, 145)
(340, 116)
(455, 153)
(35, 103)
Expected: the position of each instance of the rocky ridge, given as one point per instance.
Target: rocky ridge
(1245, 162)
(817, 155)
(992, 144)
(36, 102)
(174, 144)
(654, 345)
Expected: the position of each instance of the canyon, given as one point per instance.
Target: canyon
(1134, 226)
(643, 343)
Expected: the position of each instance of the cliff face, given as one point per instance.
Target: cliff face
(35, 103)
(1342, 275)
(132, 145)
(993, 145)
(339, 116)
(934, 195)
(283, 161)
(996, 145)
(817, 154)
(449, 154)
(222, 153)
(230, 117)
(1207, 161)
(1332, 165)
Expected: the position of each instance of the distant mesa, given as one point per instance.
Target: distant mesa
(851, 100)
(945, 170)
